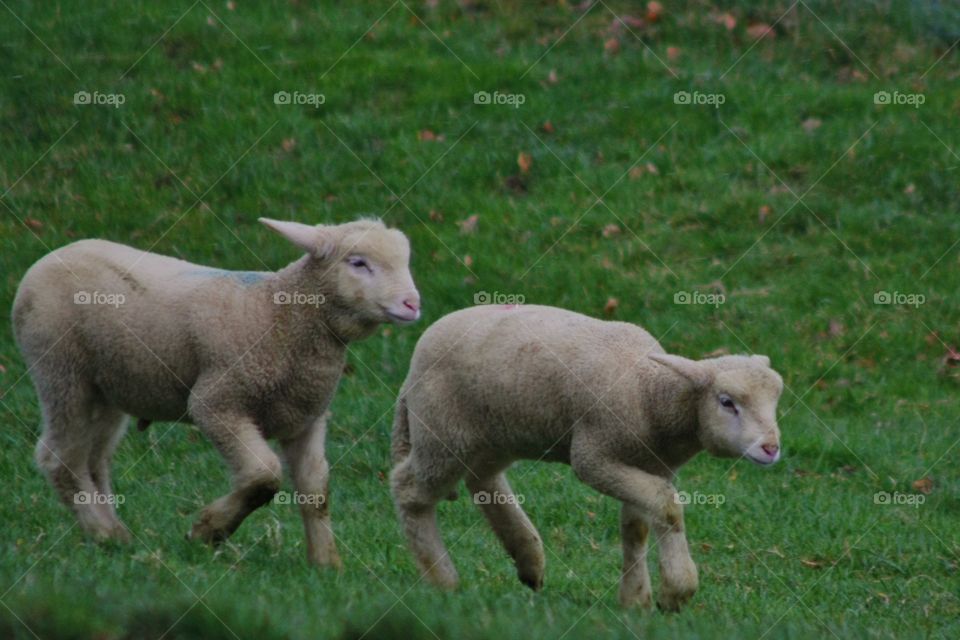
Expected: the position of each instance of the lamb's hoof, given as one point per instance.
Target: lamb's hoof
(535, 582)
(203, 532)
(638, 599)
(672, 601)
(328, 561)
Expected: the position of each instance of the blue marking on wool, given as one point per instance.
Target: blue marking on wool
(243, 277)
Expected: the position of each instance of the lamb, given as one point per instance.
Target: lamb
(109, 331)
(489, 385)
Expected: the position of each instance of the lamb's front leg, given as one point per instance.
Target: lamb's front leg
(635, 583)
(310, 472)
(255, 474)
(655, 498)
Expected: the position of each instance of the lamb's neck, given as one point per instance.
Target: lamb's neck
(305, 294)
(673, 406)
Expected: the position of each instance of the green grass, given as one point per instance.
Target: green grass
(799, 550)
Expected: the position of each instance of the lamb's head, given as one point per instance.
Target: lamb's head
(736, 404)
(368, 264)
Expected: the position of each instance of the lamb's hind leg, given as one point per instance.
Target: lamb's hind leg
(492, 493)
(255, 473)
(111, 425)
(63, 454)
(416, 501)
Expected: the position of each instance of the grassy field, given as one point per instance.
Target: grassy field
(620, 167)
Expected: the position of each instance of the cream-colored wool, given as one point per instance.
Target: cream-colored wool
(489, 385)
(109, 331)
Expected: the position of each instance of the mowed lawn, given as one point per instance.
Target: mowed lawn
(790, 170)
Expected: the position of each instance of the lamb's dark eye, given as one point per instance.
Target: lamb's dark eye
(727, 403)
(359, 263)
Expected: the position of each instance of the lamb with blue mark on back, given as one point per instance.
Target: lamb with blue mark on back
(109, 331)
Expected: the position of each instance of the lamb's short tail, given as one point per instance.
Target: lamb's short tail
(400, 444)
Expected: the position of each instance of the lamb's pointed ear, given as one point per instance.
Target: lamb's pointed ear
(696, 372)
(315, 240)
(764, 360)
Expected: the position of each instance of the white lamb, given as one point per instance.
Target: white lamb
(109, 331)
(493, 384)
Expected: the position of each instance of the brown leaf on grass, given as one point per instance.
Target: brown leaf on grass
(811, 124)
(231, 5)
(435, 215)
(33, 223)
(836, 328)
(727, 20)
(552, 77)
(924, 485)
(761, 31)
(910, 188)
(776, 552)
(611, 230)
(469, 225)
(813, 564)
(547, 127)
(468, 260)
(289, 144)
(673, 53)
(636, 173)
(611, 306)
(612, 46)
(3, 369)
(763, 213)
(654, 11)
(524, 161)
(426, 135)
(706, 546)
(652, 169)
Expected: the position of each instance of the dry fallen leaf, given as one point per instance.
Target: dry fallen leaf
(611, 306)
(813, 564)
(610, 230)
(289, 144)
(763, 213)
(673, 53)
(761, 31)
(547, 127)
(612, 46)
(426, 135)
(727, 20)
(836, 328)
(654, 11)
(33, 223)
(636, 173)
(812, 124)
(652, 168)
(524, 161)
(924, 485)
(467, 260)
(552, 77)
(469, 225)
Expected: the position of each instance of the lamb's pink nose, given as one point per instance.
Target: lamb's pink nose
(770, 449)
(412, 303)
